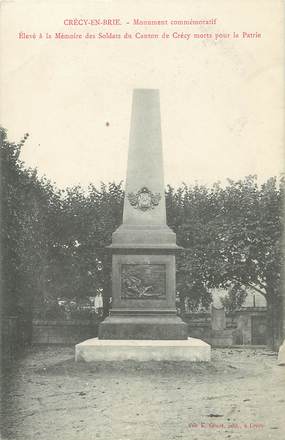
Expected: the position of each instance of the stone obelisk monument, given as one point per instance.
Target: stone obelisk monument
(143, 262)
(143, 323)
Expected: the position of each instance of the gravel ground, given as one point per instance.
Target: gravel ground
(239, 395)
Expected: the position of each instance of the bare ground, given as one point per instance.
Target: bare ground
(239, 395)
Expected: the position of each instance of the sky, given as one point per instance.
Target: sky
(222, 101)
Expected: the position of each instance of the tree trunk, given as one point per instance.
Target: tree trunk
(181, 305)
(274, 320)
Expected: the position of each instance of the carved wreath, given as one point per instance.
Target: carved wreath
(144, 199)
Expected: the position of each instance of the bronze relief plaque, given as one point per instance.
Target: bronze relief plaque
(143, 281)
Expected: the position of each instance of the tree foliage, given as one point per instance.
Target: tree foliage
(54, 241)
(232, 237)
(28, 205)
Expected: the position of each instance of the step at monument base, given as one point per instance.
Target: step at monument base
(161, 327)
(97, 350)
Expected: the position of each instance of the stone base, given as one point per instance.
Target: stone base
(221, 338)
(160, 327)
(281, 355)
(95, 350)
(144, 236)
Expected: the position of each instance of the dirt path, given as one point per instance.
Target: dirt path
(239, 395)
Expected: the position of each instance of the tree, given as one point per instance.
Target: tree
(232, 239)
(81, 262)
(234, 298)
(27, 207)
(192, 212)
(250, 240)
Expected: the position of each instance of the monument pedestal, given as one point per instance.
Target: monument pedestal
(130, 326)
(97, 350)
(143, 324)
(143, 286)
